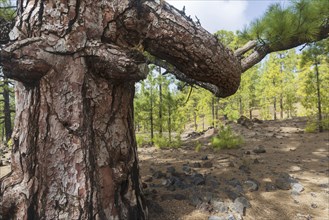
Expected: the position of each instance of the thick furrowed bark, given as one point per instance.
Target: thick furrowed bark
(165, 33)
(74, 155)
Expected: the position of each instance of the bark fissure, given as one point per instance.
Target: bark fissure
(75, 18)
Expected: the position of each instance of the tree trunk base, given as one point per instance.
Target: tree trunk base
(74, 152)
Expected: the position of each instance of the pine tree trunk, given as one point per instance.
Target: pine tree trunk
(281, 106)
(274, 108)
(160, 104)
(217, 113)
(74, 153)
(151, 116)
(169, 122)
(213, 111)
(319, 97)
(240, 107)
(195, 121)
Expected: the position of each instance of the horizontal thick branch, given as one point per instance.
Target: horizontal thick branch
(181, 76)
(168, 34)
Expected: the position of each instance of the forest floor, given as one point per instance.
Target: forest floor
(280, 173)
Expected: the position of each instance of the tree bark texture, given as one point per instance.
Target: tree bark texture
(74, 153)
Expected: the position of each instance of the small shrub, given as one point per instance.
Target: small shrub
(198, 147)
(10, 143)
(226, 139)
(176, 143)
(163, 142)
(141, 141)
(325, 124)
(311, 126)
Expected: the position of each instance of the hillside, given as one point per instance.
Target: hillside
(279, 173)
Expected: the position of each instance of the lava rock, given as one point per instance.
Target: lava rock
(196, 165)
(296, 188)
(213, 217)
(207, 197)
(230, 217)
(219, 206)
(211, 181)
(207, 164)
(269, 187)
(198, 179)
(244, 121)
(259, 150)
(171, 188)
(251, 185)
(243, 201)
(158, 174)
(324, 185)
(204, 157)
(234, 182)
(205, 207)
(257, 121)
(180, 197)
(186, 168)
(230, 194)
(282, 183)
(195, 200)
(240, 205)
(181, 184)
(171, 170)
(245, 169)
(247, 152)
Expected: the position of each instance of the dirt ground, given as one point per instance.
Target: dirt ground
(303, 157)
(289, 167)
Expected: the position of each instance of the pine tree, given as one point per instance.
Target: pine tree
(314, 84)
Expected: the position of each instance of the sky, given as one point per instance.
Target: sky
(229, 15)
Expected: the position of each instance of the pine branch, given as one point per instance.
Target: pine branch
(260, 52)
(8, 7)
(248, 46)
(181, 76)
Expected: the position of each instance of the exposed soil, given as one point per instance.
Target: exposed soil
(289, 167)
(301, 158)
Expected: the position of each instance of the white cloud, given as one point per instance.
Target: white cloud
(216, 15)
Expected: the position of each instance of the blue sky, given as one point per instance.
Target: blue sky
(225, 14)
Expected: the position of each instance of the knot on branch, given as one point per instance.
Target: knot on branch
(115, 63)
(24, 61)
